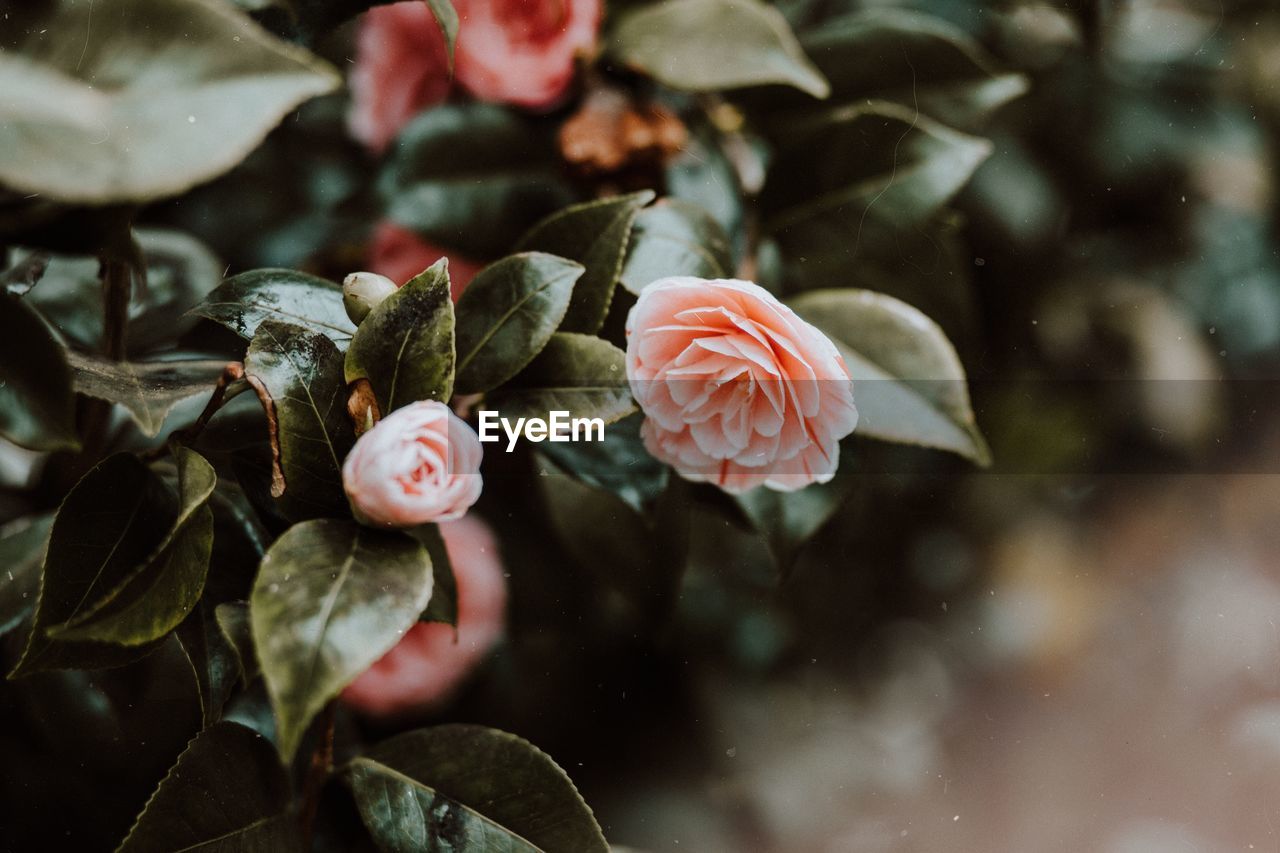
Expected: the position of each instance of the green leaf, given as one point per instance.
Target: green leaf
(474, 177)
(104, 109)
(234, 625)
(507, 314)
(314, 19)
(302, 371)
(579, 374)
(114, 521)
(151, 601)
(447, 17)
(149, 390)
(243, 302)
(596, 234)
(331, 598)
(915, 60)
(443, 606)
(871, 166)
(226, 792)
(675, 238)
(214, 662)
(908, 383)
(620, 464)
(461, 787)
(405, 347)
(787, 520)
(22, 547)
(710, 45)
(37, 410)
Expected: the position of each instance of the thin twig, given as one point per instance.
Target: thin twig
(225, 390)
(273, 432)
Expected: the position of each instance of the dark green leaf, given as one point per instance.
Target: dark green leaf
(36, 407)
(619, 464)
(870, 166)
(227, 792)
(675, 238)
(579, 374)
(787, 520)
(302, 370)
(149, 390)
(123, 116)
(463, 787)
(909, 385)
(22, 547)
(709, 45)
(595, 234)
(473, 177)
(405, 347)
(151, 601)
(213, 661)
(112, 522)
(331, 598)
(244, 302)
(916, 60)
(443, 606)
(507, 314)
(233, 623)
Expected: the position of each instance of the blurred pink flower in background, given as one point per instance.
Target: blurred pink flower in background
(400, 254)
(418, 464)
(401, 68)
(429, 663)
(737, 390)
(520, 52)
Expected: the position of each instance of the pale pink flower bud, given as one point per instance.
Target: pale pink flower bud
(418, 464)
(430, 662)
(363, 291)
(736, 388)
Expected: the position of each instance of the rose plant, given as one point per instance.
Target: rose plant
(261, 502)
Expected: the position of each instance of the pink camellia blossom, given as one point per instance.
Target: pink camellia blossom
(420, 463)
(399, 254)
(430, 662)
(737, 390)
(401, 68)
(523, 52)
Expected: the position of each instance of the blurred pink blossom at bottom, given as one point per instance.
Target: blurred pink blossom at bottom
(428, 664)
(400, 254)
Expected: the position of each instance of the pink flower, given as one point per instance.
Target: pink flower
(401, 68)
(430, 662)
(523, 51)
(399, 254)
(736, 389)
(420, 463)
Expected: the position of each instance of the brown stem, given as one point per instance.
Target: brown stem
(117, 287)
(317, 773)
(273, 433)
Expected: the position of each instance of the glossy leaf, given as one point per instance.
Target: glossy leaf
(405, 347)
(151, 601)
(787, 520)
(234, 625)
(443, 606)
(710, 45)
(243, 302)
(872, 165)
(36, 406)
(227, 791)
(507, 314)
(149, 390)
(473, 177)
(22, 548)
(579, 374)
(620, 464)
(675, 238)
(909, 385)
(331, 598)
(595, 234)
(302, 371)
(123, 116)
(461, 787)
(113, 522)
(214, 663)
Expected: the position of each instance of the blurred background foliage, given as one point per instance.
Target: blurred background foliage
(1074, 648)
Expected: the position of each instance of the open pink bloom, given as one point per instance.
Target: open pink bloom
(523, 51)
(737, 390)
(401, 68)
(429, 663)
(420, 463)
(399, 254)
